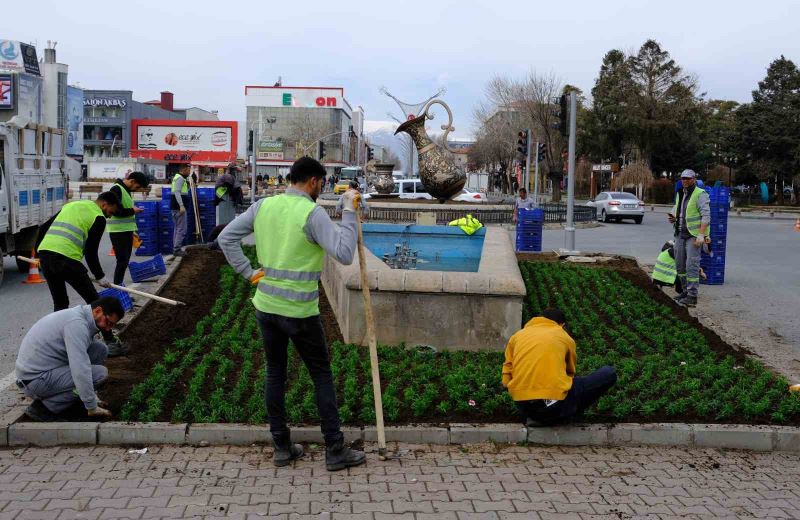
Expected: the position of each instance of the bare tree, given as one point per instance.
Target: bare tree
(305, 131)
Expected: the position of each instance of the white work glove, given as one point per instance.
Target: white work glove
(351, 200)
(699, 241)
(103, 282)
(99, 412)
(182, 210)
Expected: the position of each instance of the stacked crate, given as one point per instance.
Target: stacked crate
(208, 218)
(714, 264)
(147, 224)
(530, 223)
(165, 226)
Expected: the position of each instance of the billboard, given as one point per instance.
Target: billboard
(184, 141)
(29, 98)
(270, 149)
(6, 91)
(74, 121)
(19, 57)
(297, 97)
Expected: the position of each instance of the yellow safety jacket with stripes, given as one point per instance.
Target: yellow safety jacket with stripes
(120, 224)
(68, 233)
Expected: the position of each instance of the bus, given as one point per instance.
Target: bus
(347, 174)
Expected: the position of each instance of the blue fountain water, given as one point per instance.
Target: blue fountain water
(440, 248)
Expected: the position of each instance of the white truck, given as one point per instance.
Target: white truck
(33, 185)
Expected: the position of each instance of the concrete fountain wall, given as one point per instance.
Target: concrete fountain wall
(449, 310)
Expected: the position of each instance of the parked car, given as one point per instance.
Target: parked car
(409, 189)
(618, 205)
(467, 195)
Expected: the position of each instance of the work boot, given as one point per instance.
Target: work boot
(689, 301)
(679, 299)
(38, 412)
(338, 456)
(117, 348)
(286, 453)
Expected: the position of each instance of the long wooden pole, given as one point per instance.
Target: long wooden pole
(146, 295)
(373, 344)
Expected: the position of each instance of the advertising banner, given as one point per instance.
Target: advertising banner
(270, 149)
(19, 57)
(190, 141)
(184, 138)
(29, 98)
(6, 91)
(74, 121)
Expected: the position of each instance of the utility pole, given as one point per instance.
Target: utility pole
(253, 169)
(536, 179)
(570, 227)
(528, 160)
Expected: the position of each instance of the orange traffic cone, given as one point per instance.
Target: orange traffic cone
(33, 272)
(797, 225)
(112, 253)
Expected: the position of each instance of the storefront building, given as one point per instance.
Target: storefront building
(289, 122)
(206, 146)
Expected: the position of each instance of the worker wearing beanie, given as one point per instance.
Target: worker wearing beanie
(292, 235)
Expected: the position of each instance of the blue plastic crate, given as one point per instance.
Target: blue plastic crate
(147, 250)
(166, 193)
(529, 248)
(715, 277)
(141, 271)
(205, 193)
(122, 296)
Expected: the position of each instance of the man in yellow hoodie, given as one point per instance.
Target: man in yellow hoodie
(539, 373)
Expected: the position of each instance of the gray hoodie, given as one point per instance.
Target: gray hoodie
(60, 339)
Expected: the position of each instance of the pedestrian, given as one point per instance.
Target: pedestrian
(280, 179)
(539, 373)
(522, 202)
(178, 203)
(362, 205)
(122, 226)
(691, 217)
(292, 235)
(331, 181)
(59, 364)
(70, 235)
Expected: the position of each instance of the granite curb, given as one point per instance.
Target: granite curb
(727, 436)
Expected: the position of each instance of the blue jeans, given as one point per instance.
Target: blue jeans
(585, 391)
(308, 339)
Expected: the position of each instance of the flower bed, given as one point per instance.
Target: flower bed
(670, 368)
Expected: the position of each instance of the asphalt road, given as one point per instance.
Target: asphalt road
(760, 297)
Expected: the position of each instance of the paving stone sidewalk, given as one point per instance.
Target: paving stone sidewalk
(443, 482)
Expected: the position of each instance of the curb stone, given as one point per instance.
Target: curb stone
(727, 436)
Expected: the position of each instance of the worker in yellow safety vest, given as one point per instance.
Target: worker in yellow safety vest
(292, 235)
(122, 226)
(691, 217)
(468, 224)
(72, 234)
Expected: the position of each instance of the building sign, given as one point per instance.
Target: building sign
(6, 91)
(184, 141)
(18, 56)
(298, 97)
(105, 102)
(74, 121)
(270, 149)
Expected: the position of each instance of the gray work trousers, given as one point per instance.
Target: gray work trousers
(687, 263)
(226, 211)
(179, 234)
(56, 389)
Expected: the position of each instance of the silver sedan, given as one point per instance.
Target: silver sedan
(618, 205)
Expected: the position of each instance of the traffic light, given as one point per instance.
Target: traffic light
(563, 116)
(250, 141)
(522, 143)
(370, 153)
(320, 150)
(541, 153)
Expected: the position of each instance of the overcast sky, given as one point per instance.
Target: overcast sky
(207, 51)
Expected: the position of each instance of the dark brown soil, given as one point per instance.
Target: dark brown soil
(329, 323)
(196, 284)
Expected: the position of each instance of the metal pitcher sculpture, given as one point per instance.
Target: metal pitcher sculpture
(437, 168)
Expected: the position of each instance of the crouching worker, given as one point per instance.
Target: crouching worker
(539, 372)
(60, 364)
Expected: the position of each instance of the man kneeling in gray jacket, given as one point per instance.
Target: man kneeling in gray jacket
(60, 363)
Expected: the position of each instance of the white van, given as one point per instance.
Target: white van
(409, 189)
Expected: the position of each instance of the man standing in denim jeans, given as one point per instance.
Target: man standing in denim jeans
(292, 235)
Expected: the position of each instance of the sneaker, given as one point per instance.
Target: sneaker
(285, 455)
(117, 348)
(338, 456)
